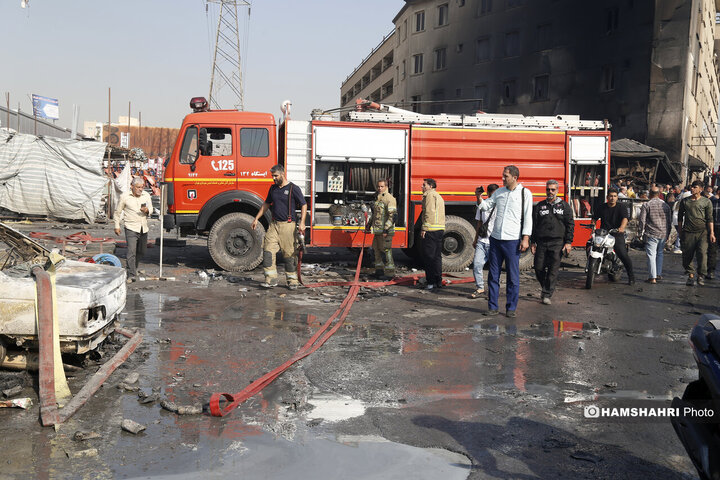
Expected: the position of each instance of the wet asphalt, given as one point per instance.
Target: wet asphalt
(413, 385)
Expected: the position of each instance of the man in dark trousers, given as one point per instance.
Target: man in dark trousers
(695, 219)
(553, 228)
(615, 216)
(433, 229)
(283, 198)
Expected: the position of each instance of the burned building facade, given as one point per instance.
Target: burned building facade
(648, 66)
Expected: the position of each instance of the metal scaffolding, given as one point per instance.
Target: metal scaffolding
(226, 79)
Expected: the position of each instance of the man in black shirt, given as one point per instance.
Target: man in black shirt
(552, 233)
(282, 198)
(614, 216)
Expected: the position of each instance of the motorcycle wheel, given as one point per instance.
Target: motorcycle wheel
(592, 270)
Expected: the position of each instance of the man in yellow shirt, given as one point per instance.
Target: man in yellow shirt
(134, 209)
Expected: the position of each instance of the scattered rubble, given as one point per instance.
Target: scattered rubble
(132, 426)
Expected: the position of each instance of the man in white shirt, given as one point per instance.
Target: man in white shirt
(485, 221)
(134, 209)
(510, 236)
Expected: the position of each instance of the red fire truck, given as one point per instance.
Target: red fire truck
(219, 172)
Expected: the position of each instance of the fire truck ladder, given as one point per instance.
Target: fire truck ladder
(483, 120)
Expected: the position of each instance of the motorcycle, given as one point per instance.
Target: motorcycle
(701, 437)
(601, 256)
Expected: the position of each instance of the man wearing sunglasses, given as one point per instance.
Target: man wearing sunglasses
(552, 234)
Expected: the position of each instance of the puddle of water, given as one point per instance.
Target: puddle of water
(270, 458)
(334, 408)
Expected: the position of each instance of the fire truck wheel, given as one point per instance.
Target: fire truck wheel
(234, 245)
(457, 246)
(526, 260)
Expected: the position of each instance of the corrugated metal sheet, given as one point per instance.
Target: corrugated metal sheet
(27, 124)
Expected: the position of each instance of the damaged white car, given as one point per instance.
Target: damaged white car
(89, 297)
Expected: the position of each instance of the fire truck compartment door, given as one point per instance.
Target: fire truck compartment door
(360, 145)
(588, 150)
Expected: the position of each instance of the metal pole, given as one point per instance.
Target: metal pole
(128, 132)
(162, 230)
(108, 205)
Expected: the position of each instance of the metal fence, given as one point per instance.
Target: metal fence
(25, 123)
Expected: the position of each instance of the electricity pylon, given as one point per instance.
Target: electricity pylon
(227, 64)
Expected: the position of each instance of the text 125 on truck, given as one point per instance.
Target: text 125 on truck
(219, 173)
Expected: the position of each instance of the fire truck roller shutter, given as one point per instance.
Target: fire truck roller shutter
(365, 177)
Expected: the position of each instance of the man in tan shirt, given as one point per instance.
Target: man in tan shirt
(134, 209)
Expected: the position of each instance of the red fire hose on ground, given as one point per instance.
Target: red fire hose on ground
(317, 340)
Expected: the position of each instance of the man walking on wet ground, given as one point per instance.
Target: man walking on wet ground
(614, 216)
(485, 222)
(134, 209)
(432, 231)
(382, 224)
(654, 225)
(282, 198)
(714, 246)
(510, 236)
(552, 234)
(695, 219)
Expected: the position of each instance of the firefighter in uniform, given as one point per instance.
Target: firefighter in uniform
(283, 197)
(382, 224)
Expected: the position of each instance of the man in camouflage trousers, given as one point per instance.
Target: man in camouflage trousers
(382, 225)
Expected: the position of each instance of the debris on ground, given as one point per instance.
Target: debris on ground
(132, 426)
(81, 436)
(11, 392)
(23, 403)
(194, 409)
(132, 378)
(90, 452)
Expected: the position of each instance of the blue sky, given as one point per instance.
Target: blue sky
(157, 54)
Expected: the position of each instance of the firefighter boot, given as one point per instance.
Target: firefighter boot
(270, 270)
(291, 273)
(389, 263)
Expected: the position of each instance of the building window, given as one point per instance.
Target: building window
(612, 18)
(461, 3)
(418, 63)
(508, 92)
(482, 50)
(481, 97)
(442, 14)
(459, 48)
(403, 70)
(514, 3)
(544, 40)
(607, 78)
(458, 92)
(437, 105)
(387, 89)
(541, 85)
(420, 21)
(512, 44)
(484, 7)
(404, 29)
(415, 103)
(440, 58)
